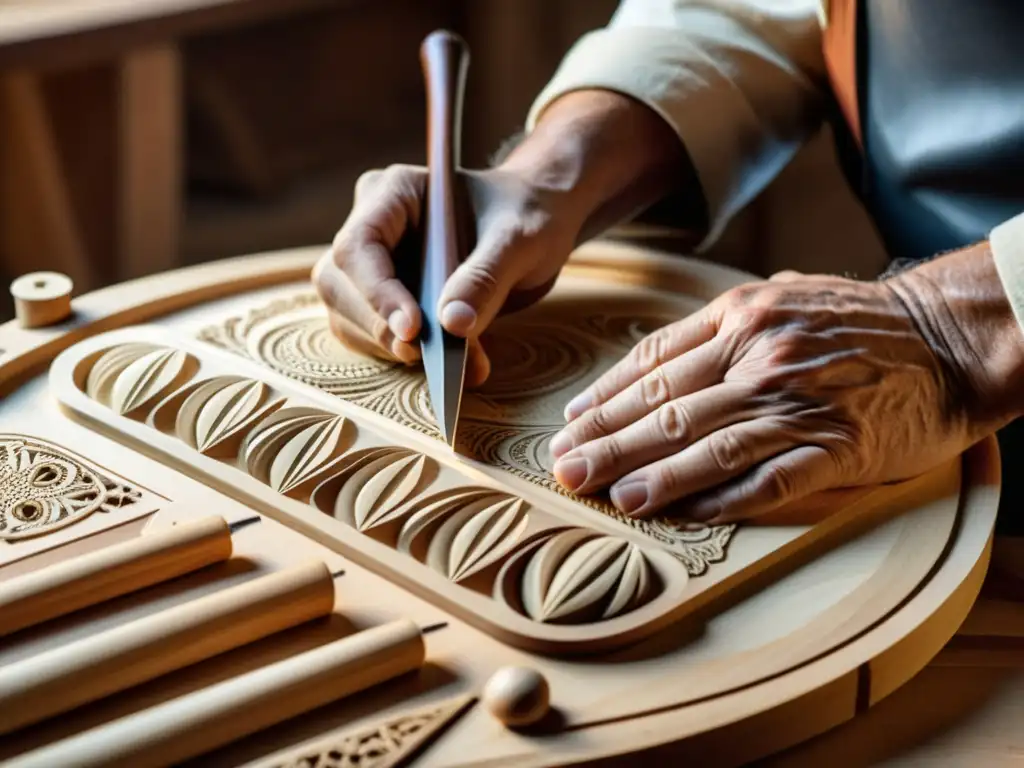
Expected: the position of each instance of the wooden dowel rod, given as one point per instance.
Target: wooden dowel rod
(66, 677)
(209, 718)
(111, 572)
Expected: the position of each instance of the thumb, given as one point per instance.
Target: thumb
(476, 291)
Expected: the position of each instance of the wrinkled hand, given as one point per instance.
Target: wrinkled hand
(523, 238)
(773, 391)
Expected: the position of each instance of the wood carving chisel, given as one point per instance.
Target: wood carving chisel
(444, 57)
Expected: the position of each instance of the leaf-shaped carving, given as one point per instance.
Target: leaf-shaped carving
(295, 447)
(148, 378)
(462, 532)
(378, 487)
(217, 413)
(108, 367)
(578, 576)
(388, 487)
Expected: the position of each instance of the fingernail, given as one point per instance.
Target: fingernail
(400, 325)
(560, 445)
(572, 473)
(630, 496)
(458, 317)
(577, 406)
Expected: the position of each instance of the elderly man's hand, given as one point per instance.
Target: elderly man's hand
(782, 388)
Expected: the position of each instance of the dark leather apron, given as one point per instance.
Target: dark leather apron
(929, 101)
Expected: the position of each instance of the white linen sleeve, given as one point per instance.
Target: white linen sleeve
(740, 82)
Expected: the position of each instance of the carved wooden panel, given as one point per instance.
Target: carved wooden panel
(538, 362)
(386, 744)
(458, 536)
(49, 495)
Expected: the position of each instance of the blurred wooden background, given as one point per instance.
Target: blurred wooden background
(137, 136)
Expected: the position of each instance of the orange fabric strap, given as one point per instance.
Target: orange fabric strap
(839, 43)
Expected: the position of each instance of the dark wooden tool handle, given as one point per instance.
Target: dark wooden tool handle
(445, 59)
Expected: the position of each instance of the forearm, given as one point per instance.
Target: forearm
(607, 158)
(960, 304)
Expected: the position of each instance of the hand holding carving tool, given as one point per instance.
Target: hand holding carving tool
(445, 58)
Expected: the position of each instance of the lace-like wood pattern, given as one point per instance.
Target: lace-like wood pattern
(386, 744)
(44, 489)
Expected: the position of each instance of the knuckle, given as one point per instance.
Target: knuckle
(674, 422)
(367, 181)
(326, 284)
(654, 388)
(650, 352)
(609, 453)
(376, 295)
(380, 332)
(758, 317)
(480, 278)
(741, 295)
(727, 452)
(777, 483)
(598, 422)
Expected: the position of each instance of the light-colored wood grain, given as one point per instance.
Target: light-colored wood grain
(792, 654)
(191, 725)
(285, 457)
(517, 696)
(41, 298)
(61, 679)
(110, 572)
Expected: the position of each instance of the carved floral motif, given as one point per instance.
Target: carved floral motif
(43, 489)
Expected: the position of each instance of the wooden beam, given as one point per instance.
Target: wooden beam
(150, 189)
(38, 227)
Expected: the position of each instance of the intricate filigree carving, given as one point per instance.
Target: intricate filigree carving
(538, 362)
(577, 576)
(384, 745)
(43, 489)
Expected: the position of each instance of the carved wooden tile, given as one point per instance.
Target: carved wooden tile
(49, 496)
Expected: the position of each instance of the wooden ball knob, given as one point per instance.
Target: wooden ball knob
(41, 298)
(517, 696)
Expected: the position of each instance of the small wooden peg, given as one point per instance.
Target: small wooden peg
(517, 696)
(42, 298)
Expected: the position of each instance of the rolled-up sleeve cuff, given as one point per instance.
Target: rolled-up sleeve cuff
(699, 82)
(1007, 244)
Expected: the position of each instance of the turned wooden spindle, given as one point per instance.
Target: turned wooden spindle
(71, 675)
(191, 725)
(41, 298)
(110, 572)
